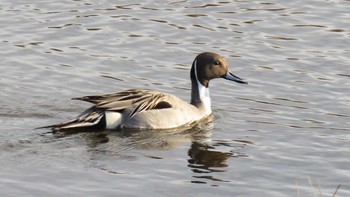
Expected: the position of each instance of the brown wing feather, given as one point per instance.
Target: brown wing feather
(147, 103)
(114, 105)
(139, 100)
(119, 96)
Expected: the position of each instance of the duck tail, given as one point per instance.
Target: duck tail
(90, 118)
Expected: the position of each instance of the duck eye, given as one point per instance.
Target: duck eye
(216, 62)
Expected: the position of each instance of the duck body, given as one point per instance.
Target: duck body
(148, 109)
(138, 109)
(171, 113)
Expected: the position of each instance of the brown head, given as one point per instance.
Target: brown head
(209, 66)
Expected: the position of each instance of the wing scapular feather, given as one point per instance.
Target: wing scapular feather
(138, 100)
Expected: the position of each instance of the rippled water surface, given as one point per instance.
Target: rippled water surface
(287, 128)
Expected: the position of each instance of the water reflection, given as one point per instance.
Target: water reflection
(205, 159)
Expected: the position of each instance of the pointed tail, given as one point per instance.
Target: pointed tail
(89, 118)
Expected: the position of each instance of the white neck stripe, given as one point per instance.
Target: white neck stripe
(203, 91)
(195, 70)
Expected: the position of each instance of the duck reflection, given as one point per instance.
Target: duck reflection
(204, 158)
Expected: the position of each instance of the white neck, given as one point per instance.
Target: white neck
(203, 92)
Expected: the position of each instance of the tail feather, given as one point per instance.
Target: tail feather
(89, 118)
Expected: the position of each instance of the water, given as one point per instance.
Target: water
(290, 124)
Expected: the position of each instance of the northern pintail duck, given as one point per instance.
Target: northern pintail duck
(148, 109)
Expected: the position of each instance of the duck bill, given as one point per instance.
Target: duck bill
(232, 77)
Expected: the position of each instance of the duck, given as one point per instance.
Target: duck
(150, 109)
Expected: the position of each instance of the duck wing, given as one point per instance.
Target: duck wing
(127, 95)
(136, 99)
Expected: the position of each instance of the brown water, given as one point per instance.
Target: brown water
(290, 123)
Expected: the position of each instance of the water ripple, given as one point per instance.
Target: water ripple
(292, 120)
